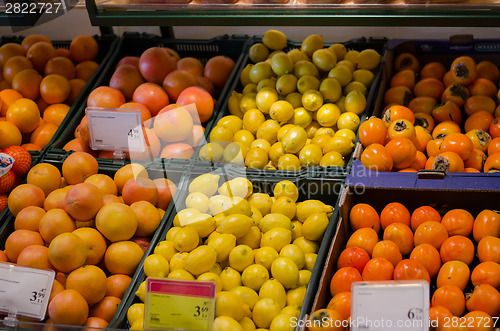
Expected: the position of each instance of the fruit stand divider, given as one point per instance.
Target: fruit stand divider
(325, 189)
(173, 172)
(378, 44)
(471, 200)
(133, 44)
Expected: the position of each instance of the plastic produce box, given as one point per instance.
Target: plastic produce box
(326, 191)
(172, 172)
(442, 200)
(332, 171)
(133, 44)
(445, 52)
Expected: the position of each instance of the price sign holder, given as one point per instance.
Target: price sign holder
(24, 291)
(179, 305)
(118, 130)
(390, 305)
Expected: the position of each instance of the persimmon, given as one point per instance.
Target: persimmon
(419, 162)
(353, 257)
(488, 70)
(447, 111)
(479, 138)
(403, 152)
(433, 69)
(401, 235)
(330, 315)
(445, 128)
(463, 70)
(450, 297)
(363, 215)
(402, 128)
(455, 273)
(429, 87)
(410, 269)
(422, 105)
(388, 250)
(425, 121)
(424, 214)
(394, 212)
(399, 95)
(373, 130)
(457, 93)
(439, 315)
(459, 144)
(375, 157)
(479, 321)
(457, 248)
(485, 298)
(432, 233)
(342, 280)
(458, 222)
(433, 147)
(486, 273)
(479, 102)
(483, 86)
(476, 160)
(492, 163)
(428, 256)
(494, 146)
(480, 120)
(406, 60)
(341, 303)
(398, 112)
(487, 223)
(405, 77)
(488, 249)
(449, 162)
(365, 238)
(378, 269)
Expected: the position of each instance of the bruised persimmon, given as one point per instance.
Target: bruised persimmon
(400, 95)
(422, 105)
(449, 162)
(488, 70)
(445, 128)
(479, 102)
(402, 151)
(406, 61)
(402, 128)
(457, 93)
(425, 120)
(463, 70)
(433, 69)
(480, 139)
(405, 77)
(476, 160)
(375, 157)
(429, 87)
(447, 111)
(492, 163)
(398, 112)
(458, 143)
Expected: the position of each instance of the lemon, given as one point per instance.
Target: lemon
(310, 260)
(186, 239)
(295, 254)
(256, 215)
(156, 265)
(185, 215)
(306, 245)
(295, 99)
(166, 248)
(312, 100)
(339, 50)
(311, 44)
(258, 52)
(138, 324)
(245, 137)
(297, 230)
(323, 130)
(282, 322)
(301, 117)
(264, 311)
(341, 104)
(234, 152)
(273, 53)
(296, 296)
(226, 323)
(260, 71)
(269, 83)
(292, 311)
(328, 114)
(247, 102)
(363, 76)
(211, 277)
(330, 89)
(211, 152)
(241, 257)
(286, 84)
(262, 202)
(368, 59)
(249, 296)
(349, 121)
(135, 313)
(269, 131)
(355, 102)
(217, 204)
(265, 99)
(355, 86)
(222, 244)
(221, 133)
(244, 76)
(247, 324)
(237, 205)
(204, 224)
(342, 74)
(286, 188)
(332, 159)
(275, 152)
(230, 304)
(283, 130)
(284, 206)
(310, 155)
(254, 276)
(274, 39)
(249, 88)
(216, 269)
(273, 289)
(281, 111)
(307, 82)
(305, 68)
(324, 59)
(346, 133)
(206, 184)
(352, 56)
(346, 63)
(198, 201)
(265, 256)
(289, 162)
(257, 158)
(171, 233)
(281, 64)
(309, 207)
(286, 272)
(311, 129)
(294, 139)
(320, 140)
(274, 220)
(177, 261)
(261, 143)
(141, 291)
(343, 145)
(230, 278)
(276, 238)
(200, 260)
(239, 187)
(180, 274)
(235, 224)
(251, 239)
(304, 276)
(252, 119)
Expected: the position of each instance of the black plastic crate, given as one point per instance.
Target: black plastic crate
(133, 44)
(355, 44)
(328, 191)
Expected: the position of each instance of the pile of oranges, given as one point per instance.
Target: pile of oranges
(424, 245)
(90, 228)
(445, 120)
(38, 84)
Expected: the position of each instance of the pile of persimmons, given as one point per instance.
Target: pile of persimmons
(436, 118)
(457, 253)
(163, 87)
(38, 84)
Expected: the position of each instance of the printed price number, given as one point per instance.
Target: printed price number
(201, 311)
(37, 297)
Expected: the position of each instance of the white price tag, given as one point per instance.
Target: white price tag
(390, 305)
(25, 291)
(115, 129)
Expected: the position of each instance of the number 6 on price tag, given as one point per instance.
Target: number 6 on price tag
(179, 305)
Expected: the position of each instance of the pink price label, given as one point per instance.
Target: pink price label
(181, 287)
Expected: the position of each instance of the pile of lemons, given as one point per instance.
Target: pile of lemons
(259, 250)
(297, 109)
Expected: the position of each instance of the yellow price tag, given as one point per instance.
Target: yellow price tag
(178, 304)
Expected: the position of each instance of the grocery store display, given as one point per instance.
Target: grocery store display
(299, 105)
(436, 117)
(17, 161)
(91, 226)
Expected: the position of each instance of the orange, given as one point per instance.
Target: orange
(95, 242)
(33, 39)
(54, 88)
(148, 218)
(83, 48)
(9, 135)
(127, 172)
(57, 288)
(8, 96)
(151, 95)
(28, 218)
(17, 197)
(201, 99)
(106, 308)
(105, 97)
(83, 201)
(68, 308)
(46, 176)
(43, 134)
(55, 222)
(60, 65)
(123, 257)
(67, 252)
(116, 221)
(77, 85)
(138, 189)
(77, 145)
(27, 82)
(15, 65)
(19, 240)
(35, 256)
(176, 81)
(78, 167)
(192, 65)
(55, 199)
(109, 198)
(174, 125)
(86, 69)
(166, 190)
(117, 285)
(96, 322)
(55, 113)
(104, 183)
(218, 69)
(40, 53)
(177, 151)
(89, 281)
(9, 50)
(31, 147)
